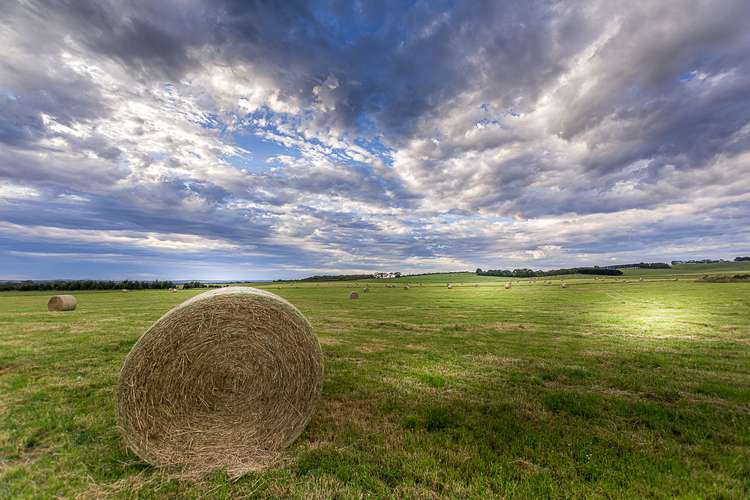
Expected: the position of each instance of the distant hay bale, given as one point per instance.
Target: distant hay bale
(223, 381)
(62, 303)
(564, 285)
(641, 279)
(507, 286)
(365, 290)
(353, 296)
(450, 286)
(124, 290)
(406, 287)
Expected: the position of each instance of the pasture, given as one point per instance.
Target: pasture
(606, 387)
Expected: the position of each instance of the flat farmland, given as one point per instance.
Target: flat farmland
(640, 388)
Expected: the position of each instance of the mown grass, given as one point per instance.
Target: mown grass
(605, 388)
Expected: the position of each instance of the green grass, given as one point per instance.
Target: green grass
(692, 269)
(603, 389)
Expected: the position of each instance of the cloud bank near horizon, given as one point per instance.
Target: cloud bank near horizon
(256, 139)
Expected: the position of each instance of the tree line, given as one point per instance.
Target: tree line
(640, 265)
(64, 285)
(530, 273)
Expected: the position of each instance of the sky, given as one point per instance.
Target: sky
(222, 139)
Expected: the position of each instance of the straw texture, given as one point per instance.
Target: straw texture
(225, 380)
(62, 303)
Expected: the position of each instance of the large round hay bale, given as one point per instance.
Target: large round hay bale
(353, 296)
(365, 290)
(406, 287)
(224, 381)
(62, 303)
(564, 285)
(507, 286)
(450, 286)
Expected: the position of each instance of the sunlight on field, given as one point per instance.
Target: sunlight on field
(642, 388)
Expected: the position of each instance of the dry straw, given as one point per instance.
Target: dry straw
(507, 286)
(225, 380)
(353, 295)
(62, 303)
(564, 285)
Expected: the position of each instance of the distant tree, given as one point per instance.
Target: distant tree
(528, 273)
(193, 284)
(741, 259)
(83, 285)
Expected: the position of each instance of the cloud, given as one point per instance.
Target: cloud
(427, 135)
(172, 242)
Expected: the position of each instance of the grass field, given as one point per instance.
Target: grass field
(681, 271)
(602, 389)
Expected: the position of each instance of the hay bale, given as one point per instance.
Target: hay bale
(640, 279)
(353, 296)
(62, 303)
(406, 287)
(564, 285)
(124, 290)
(365, 290)
(225, 380)
(507, 286)
(450, 286)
